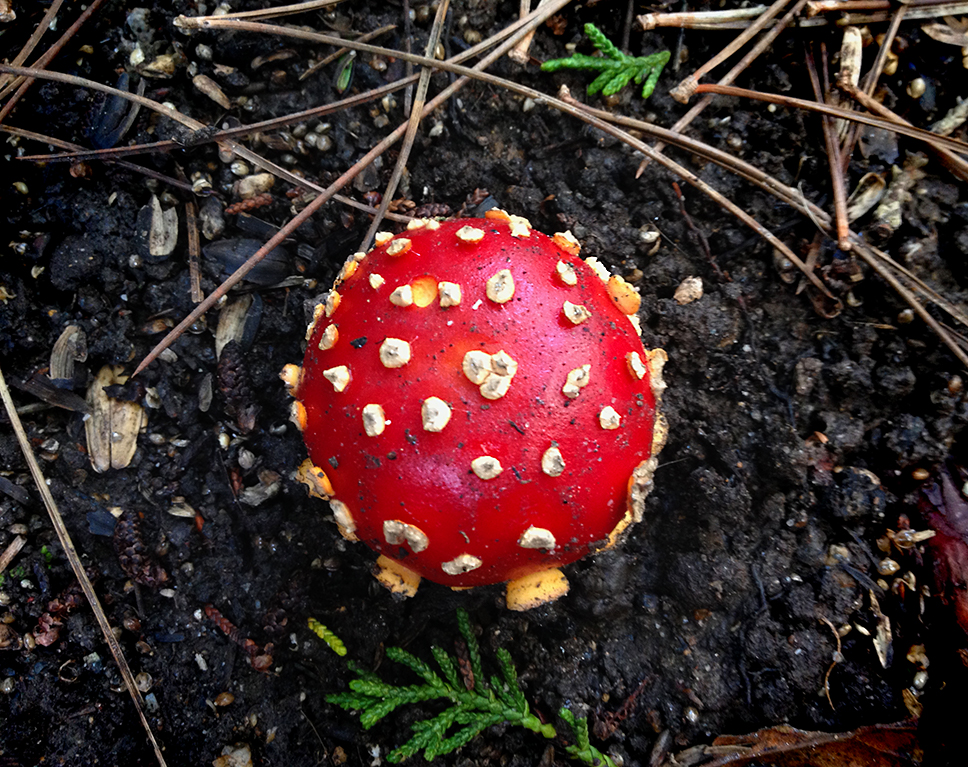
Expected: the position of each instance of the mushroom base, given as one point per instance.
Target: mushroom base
(535, 589)
(397, 578)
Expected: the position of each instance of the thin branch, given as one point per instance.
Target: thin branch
(75, 561)
(412, 125)
(282, 10)
(867, 253)
(337, 53)
(949, 159)
(687, 87)
(49, 56)
(741, 18)
(736, 18)
(10, 553)
(870, 80)
(762, 44)
(194, 252)
(812, 106)
(264, 126)
(837, 183)
(134, 168)
(588, 116)
(920, 9)
(8, 83)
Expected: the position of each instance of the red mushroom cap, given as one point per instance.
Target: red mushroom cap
(477, 401)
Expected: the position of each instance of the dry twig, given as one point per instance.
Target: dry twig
(949, 159)
(762, 44)
(8, 83)
(416, 113)
(67, 545)
(44, 60)
(905, 129)
(837, 182)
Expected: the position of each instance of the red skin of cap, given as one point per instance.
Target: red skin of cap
(424, 478)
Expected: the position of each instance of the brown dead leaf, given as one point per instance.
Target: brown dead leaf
(883, 745)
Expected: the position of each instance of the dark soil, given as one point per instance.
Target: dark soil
(793, 437)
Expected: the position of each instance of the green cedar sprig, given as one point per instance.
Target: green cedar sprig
(334, 642)
(616, 68)
(488, 702)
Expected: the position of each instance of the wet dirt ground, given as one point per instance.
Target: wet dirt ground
(794, 438)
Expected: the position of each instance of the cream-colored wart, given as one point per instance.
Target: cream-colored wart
(382, 238)
(599, 268)
(328, 338)
(377, 281)
(536, 589)
(477, 366)
(635, 364)
(298, 415)
(470, 235)
(290, 375)
(449, 293)
(537, 538)
(492, 372)
(338, 376)
(576, 313)
(397, 578)
(640, 485)
(402, 296)
(486, 467)
(398, 247)
(435, 414)
(374, 420)
(495, 387)
(394, 353)
(635, 323)
(576, 380)
(609, 418)
(520, 226)
(315, 480)
(503, 364)
(500, 287)
(318, 311)
(567, 242)
(460, 564)
(331, 304)
(552, 462)
(396, 533)
(660, 433)
(567, 274)
(657, 360)
(344, 519)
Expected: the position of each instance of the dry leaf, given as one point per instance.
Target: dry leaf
(883, 745)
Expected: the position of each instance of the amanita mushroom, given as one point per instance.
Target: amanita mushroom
(478, 406)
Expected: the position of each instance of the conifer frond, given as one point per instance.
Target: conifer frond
(616, 68)
(468, 712)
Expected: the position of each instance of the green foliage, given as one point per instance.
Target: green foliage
(616, 68)
(334, 642)
(474, 702)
